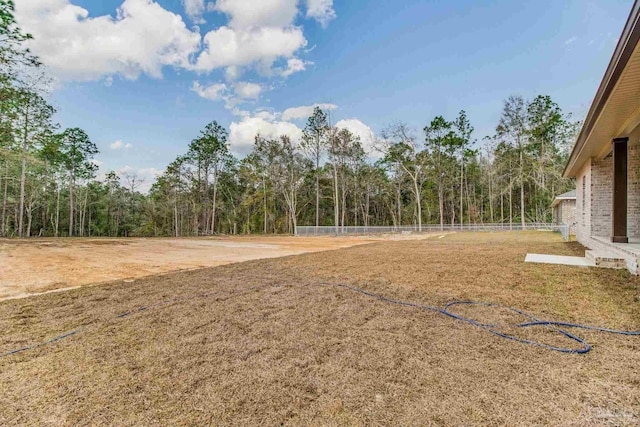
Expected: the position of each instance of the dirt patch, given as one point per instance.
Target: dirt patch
(269, 345)
(44, 265)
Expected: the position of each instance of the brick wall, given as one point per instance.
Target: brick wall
(583, 202)
(601, 196)
(568, 213)
(594, 201)
(633, 188)
(594, 197)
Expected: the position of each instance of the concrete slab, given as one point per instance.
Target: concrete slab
(560, 260)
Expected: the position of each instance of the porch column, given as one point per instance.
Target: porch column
(619, 207)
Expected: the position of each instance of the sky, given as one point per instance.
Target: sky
(143, 77)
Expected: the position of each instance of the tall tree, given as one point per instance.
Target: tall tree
(314, 142)
(463, 130)
(77, 151)
(32, 125)
(548, 130)
(290, 176)
(210, 151)
(512, 131)
(400, 147)
(345, 151)
(265, 153)
(442, 144)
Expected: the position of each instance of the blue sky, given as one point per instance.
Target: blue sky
(143, 77)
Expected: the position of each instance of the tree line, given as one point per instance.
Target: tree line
(436, 175)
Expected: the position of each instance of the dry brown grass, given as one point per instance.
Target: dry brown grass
(272, 347)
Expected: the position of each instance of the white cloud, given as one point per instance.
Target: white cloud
(258, 33)
(294, 65)
(246, 90)
(214, 92)
(305, 111)
(195, 9)
(142, 38)
(261, 13)
(321, 10)
(242, 134)
(232, 95)
(228, 47)
(266, 115)
(117, 145)
(570, 41)
(363, 131)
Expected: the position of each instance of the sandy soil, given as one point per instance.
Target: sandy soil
(42, 265)
(265, 343)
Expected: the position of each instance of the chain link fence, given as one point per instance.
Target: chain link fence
(428, 228)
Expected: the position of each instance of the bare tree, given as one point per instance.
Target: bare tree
(401, 148)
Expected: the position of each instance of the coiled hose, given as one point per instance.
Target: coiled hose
(445, 311)
(490, 327)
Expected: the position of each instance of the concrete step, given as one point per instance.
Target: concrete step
(605, 259)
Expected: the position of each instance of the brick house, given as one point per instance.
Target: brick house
(564, 210)
(605, 160)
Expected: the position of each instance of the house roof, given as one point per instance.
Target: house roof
(569, 195)
(615, 110)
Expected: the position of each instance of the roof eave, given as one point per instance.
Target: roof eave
(624, 49)
(557, 200)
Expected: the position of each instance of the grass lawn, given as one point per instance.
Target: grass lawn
(269, 345)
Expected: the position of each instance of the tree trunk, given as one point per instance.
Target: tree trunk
(398, 205)
(215, 199)
(366, 213)
(196, 225)
(441, 203)
(491, 198)
(29, 220)
(205, 204)
(336, 201)
(318, 186)
(522, 210)
(175, 216)
(57, 209)
(294, 210)
(44, 215)
(475, 201)
(344, 206)
(418, 203)
(522, 207)
(510, 204)
(71, 207)
(23, 173)
(23, 179)
(461, 190)
(4, 203)
(264, 198)
(84, 211)
(501, 208)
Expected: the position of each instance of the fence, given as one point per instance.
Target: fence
(428, 228)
